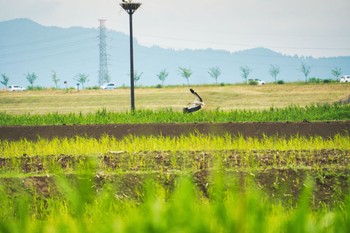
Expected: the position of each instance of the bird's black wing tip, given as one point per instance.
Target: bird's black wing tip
(191, 90)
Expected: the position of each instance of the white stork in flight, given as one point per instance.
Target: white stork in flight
(196, 105)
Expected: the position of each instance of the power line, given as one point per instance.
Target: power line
(239, 44)
(55, 47)
(52, 39)
(58, 53)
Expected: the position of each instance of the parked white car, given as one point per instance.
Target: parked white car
(257, 81)
(345, 79)
(108, 86)
(15, 88)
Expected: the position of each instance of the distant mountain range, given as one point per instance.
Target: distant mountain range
(27, 47)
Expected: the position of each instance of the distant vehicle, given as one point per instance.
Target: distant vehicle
(108, 86)
(257, 81)
(345, 79)
(15, 88)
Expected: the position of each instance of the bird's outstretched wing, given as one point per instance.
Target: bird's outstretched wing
(198, 98)
(196, 105)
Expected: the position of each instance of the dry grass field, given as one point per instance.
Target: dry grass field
(222, 97)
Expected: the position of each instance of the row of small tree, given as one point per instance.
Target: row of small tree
(81, 78)
(186, 73)
(214, 72)
(274, 71)
(31, 78)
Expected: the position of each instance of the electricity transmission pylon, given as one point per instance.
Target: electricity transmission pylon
(103, 72)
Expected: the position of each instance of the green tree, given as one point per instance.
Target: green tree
(163, 75)
(82, 79)
(245, 72)
(137, 76)
(31, 77)
(274, 71)
(336, 72)
(55, 79)
(305, 69)
(185, 73)
(5, 80)
(215, 72)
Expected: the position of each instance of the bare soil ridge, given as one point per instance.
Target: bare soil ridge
(284, 129)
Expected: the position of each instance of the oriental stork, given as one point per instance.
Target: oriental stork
(195, 105)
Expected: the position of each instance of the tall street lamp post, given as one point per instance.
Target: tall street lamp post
(130, 8)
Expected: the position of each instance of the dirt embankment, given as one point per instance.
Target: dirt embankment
(280, 174)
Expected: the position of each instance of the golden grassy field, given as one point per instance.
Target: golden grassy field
(223, 97)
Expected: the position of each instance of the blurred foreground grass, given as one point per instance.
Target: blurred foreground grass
(80, 206)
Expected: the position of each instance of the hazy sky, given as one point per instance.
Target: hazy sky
(303, 27)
